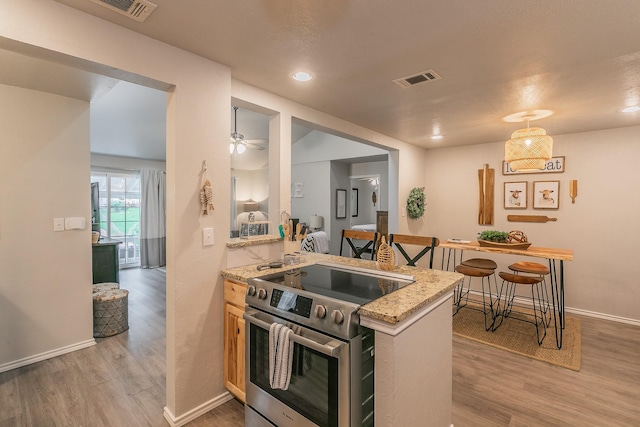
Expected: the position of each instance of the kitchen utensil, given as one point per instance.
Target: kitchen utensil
(486, 178)
(529, 218)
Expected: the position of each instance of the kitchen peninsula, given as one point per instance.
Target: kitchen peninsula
(413, 340)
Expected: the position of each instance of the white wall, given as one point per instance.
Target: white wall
(314, 178)
(129, 163)
(252, 184)
(367, 211)
(601, 227)
(319, 146)
(45, 276)
(312, 166)
(197, 113)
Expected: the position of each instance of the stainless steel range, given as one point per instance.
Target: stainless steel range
(333, 359)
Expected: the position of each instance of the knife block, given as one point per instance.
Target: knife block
(291, 246)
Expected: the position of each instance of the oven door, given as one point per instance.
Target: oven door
(319, 391)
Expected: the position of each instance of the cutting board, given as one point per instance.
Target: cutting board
(486, 178)
(529, 218)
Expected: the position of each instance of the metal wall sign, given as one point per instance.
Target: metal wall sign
(555, 165)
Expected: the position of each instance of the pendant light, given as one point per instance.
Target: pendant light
(528, 149)
(237, 144)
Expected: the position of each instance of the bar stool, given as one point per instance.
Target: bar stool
(484, 263)
(534, 284)
(461, 293)
(540, 270)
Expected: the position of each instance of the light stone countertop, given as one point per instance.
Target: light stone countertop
(392, 308)
(261, 240)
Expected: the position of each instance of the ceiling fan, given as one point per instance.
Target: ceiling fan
(238, 144)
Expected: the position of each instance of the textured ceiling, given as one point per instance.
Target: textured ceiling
(579, 58)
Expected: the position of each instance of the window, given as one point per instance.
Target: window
(120, 212)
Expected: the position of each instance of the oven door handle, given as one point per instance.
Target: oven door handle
(332, 348)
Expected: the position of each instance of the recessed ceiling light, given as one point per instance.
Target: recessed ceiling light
(632, 109)
(436, 137)
(302, 76)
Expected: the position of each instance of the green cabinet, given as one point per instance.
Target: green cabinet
(105, 261)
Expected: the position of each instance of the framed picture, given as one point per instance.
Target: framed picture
(515, 195)
(354, 202)
(341, 203)
(546, 194)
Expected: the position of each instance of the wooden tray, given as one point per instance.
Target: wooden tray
(489, 244)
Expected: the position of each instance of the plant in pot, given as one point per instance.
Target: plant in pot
(499, 239)
(493, 236)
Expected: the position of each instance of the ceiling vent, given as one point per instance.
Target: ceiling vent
(416, 79)
(138, 10)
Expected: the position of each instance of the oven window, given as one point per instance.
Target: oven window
(313, 390)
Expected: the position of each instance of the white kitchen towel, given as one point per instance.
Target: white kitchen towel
(320, 242)
(280, 356)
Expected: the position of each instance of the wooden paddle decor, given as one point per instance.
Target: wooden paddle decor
(530, 218)
(486, 179)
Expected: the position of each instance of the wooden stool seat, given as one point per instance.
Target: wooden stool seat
(484, 263)
(529, 267)
(520, 279)
(473, 271)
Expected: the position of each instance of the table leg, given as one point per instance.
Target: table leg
(557, 298)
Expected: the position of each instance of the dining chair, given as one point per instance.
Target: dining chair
(428, 245)
(367, 242)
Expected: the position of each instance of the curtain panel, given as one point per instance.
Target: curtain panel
(152, 219)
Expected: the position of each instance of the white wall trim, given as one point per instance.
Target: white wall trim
(604, 316)
(46, 355)
(581, 312)
(197, 411)
(394, 330)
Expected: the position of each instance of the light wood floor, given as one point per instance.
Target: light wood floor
(121, 381)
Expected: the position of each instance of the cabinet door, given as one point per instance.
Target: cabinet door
(234, 351)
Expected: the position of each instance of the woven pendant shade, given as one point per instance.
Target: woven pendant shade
(528, 149)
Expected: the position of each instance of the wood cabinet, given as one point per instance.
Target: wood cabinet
(105, 261)
(234, 345)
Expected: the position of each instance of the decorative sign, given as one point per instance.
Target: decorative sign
(555, 165)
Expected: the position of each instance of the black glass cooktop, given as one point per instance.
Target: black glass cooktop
(355, 286)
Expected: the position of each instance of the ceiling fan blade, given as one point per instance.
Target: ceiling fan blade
(258, 144)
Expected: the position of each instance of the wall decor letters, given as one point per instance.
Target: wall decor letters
(555, 165)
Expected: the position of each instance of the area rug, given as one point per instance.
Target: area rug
(520, 337)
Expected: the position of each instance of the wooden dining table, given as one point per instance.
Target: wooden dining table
(555, 258)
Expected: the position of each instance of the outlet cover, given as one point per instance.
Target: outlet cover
(207, 236)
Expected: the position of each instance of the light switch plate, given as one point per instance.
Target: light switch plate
(207, 236)
(75, 223)
(58, 224)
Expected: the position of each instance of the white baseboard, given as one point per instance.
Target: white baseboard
(603, 316)
(581, 312)
(196, 412)
(46, 355)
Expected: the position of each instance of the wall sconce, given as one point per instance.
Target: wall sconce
(573, 190)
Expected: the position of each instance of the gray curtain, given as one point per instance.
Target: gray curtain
(152, 219)
(234, 204)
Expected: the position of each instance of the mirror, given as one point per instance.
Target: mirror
(249, 148)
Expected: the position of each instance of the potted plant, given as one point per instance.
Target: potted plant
(501, 239)
(494, 236)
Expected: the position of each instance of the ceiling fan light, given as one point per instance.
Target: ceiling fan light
(528, 149)
(231, 147)
(241, 147)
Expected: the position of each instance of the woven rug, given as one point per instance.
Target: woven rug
(520, 337)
